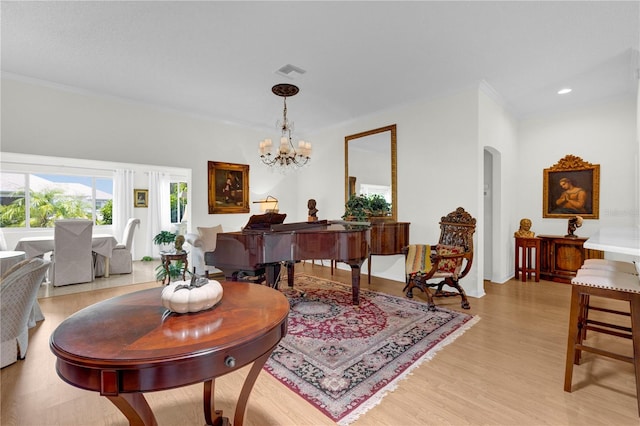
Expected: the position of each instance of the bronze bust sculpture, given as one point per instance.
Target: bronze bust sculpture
(525, 229)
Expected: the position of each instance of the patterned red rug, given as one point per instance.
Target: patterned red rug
(343, 359)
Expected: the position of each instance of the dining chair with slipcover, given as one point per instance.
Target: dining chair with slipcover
(443, 263)
(72, 258)
(18, 294)
(121, 261)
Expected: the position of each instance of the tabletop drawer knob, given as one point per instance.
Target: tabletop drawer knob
(230, 361)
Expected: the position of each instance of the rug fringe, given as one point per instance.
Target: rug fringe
(392, 386)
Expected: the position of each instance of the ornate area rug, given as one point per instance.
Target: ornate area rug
(343, 359)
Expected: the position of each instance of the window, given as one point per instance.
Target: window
(178, 197)
(37, 200)
(383, 190)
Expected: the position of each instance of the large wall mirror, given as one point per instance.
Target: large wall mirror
(370, 165)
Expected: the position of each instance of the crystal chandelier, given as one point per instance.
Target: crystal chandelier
(285, 155)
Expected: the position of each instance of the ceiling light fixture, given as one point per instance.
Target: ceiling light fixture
(564, 91)
(286, 155)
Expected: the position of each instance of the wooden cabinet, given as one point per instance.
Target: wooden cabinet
(387, 238)
(561, 257)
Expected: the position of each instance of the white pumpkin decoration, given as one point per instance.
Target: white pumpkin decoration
(185, 296)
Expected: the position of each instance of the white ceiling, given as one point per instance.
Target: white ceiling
(219, 59)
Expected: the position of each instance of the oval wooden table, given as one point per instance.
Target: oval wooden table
(130, 344)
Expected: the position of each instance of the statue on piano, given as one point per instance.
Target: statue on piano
(313, 211)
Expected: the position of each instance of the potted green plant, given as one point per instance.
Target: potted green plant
(379, 205)
(175, 271)
(357, 208)
(363, 208)
(165, 240)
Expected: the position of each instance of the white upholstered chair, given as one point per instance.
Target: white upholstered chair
(203, 242)
(3, 241)
(72, 256)
(18, 294)
(121, 259)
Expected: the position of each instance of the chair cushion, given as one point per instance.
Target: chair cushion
(449, 265)
(637, 266)
(418, 259)
(613, 280)
(209, 237)
(609, 265)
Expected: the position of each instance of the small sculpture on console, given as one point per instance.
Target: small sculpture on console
(574, 223)
(313, 211)
(525, 229)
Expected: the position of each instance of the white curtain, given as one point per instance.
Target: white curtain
(122, 201)
(159, 214)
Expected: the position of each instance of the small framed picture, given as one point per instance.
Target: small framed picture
(140, 198)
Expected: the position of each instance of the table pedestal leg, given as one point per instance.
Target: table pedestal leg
(256, 368)
(135, 408)
(209, 406)
(166, 262)
(241, 406)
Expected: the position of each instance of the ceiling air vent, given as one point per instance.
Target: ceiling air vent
(290, 71)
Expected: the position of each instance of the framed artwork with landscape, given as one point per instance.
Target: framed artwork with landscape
(140, 198)
(571, 188)
(228, 187)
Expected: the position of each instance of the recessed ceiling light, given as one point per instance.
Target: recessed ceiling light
(564, 91)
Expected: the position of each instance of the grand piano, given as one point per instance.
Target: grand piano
(261, 252)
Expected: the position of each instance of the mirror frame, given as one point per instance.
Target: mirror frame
(394, 169)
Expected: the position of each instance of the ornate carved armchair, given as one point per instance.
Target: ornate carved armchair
(444, 263)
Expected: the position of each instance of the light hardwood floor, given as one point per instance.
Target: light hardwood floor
(508, 369)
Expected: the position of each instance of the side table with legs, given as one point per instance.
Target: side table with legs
(527, 258)
(166, 258)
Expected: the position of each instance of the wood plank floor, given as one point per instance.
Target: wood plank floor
(508, 369)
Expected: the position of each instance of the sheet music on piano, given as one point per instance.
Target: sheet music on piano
(264, 221)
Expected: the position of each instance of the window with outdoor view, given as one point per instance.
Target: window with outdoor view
(37, 200)
(178, 201)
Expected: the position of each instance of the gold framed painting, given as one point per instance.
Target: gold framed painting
(140, 198)
(228, 187)
(571, 188)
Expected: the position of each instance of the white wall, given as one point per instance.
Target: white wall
(440, 159)
(603, 134)
(438, 171)
(52, 122)
(498, 136)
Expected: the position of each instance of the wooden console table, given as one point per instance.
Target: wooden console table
(163, 351)
(387, 238)
(561, 257)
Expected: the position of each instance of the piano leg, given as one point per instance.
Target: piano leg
(290, 273)
(272, 274)
(355, 283)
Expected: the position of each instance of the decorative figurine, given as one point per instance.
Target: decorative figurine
(313, 212)
(524, 231)
(179, 242)
(574, 223)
